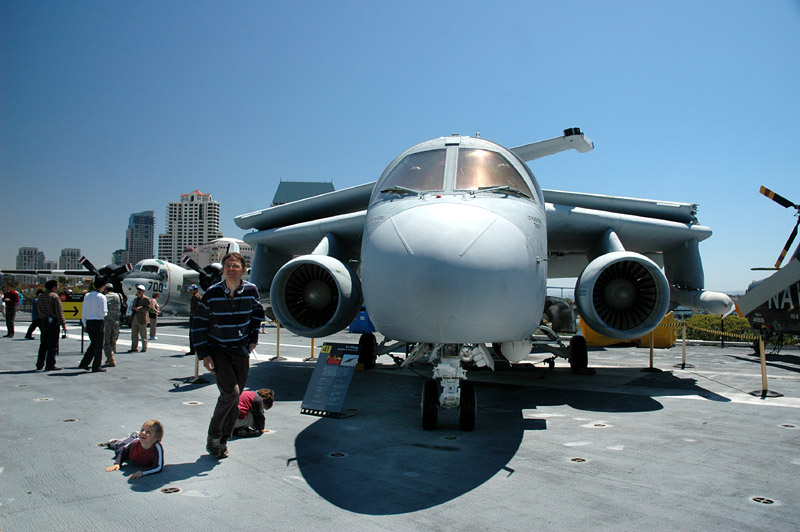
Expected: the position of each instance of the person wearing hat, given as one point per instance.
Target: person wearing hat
(111, 324)
(139, 319)
(195, 299)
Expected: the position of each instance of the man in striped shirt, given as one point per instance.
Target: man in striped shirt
(224, 333)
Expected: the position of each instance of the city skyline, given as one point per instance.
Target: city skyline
(108, 109)
(134, 240)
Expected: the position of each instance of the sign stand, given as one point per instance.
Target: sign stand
(329, 383)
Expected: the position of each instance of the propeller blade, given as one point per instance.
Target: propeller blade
(86, 263)
(777, 198)
(190, 262)
(792, 235)
(121, 271)
(205, 278)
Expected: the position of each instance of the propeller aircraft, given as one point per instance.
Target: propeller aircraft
(450, 251)
(173, 281)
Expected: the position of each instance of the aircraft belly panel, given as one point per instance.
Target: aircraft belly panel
(452, 273)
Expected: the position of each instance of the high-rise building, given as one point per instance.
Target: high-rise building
(30, 259)
(69, 259)
(140, 236)
(119, 257)
(192, 221)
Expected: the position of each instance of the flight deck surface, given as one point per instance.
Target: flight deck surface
(623, 449)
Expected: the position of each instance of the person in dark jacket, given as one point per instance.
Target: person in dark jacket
(224, 333)
(36, 322)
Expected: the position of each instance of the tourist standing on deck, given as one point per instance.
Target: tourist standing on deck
(111, 323)
(11, 300)
(140, 319)
(225, 332)
(155, 310)
(94, 314)
(52, 315)
(35, 321)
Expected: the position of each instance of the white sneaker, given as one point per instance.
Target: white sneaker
(153, 338)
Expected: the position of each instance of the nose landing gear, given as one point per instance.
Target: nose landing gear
(456, 390)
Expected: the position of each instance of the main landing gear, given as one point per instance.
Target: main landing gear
(456, 391)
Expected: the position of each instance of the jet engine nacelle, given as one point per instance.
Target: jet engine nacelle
(622, 295)
(315, 295)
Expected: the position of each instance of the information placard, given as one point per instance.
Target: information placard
(72, 304)
(330, 381)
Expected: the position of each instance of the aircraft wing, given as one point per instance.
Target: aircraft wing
(55, 273)
(344, 201)
(574, 221)
(303, 237)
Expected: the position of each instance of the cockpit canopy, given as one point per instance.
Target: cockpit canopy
(159, 270)
(461, 165)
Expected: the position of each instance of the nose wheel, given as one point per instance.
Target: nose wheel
(467, 408)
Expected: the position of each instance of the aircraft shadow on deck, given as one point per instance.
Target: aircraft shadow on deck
(381, 462)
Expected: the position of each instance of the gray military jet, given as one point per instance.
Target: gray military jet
(450, 251)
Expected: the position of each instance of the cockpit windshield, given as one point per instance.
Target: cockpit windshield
(150, 268)
(481, 169)
(418, 172)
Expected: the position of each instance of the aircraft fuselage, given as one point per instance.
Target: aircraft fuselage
(455, 245)
(159, 276)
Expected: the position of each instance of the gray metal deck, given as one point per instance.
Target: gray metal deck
(624, 449)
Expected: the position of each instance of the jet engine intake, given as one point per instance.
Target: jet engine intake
(315, 295)
(622, 295)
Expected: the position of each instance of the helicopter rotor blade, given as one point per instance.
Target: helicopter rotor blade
(777, 198)
(785, 250)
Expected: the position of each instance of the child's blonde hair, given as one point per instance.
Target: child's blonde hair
(157, 426)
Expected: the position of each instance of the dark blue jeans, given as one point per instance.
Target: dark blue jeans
(231, 371)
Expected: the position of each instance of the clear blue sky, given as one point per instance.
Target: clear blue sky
(110, 107)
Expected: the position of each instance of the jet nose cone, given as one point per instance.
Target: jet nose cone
(451, 273)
